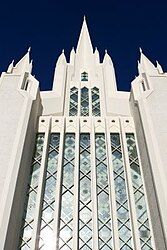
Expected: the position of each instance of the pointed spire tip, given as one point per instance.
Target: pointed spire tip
(140, 49)
(106, 51)
(84, 39)
(29, 49)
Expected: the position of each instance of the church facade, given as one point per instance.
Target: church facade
(83, 166)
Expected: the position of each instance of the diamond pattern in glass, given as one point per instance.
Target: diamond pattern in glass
(85, 202)
(95, 102)
(30, 203)
(84, 77)
(73, 109)
(67, 195)
(84, 101)
(103, 199)
(139, 196)
(123, 216)
(46, 229)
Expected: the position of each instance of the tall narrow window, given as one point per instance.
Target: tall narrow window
(67, 195)
(84, 101)
(139, 196)
(47, 217)
(73, 109)
(103, 197)
(95, 102)
(84, 76)
(85, 202)
(30, 203)
(123, 216)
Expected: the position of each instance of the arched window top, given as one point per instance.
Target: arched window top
(84, 76)
(84, 91)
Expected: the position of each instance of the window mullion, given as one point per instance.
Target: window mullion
(94, 188)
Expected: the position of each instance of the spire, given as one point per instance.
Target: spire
(72, 56)
(107, 58)
(60, 73)
(140, 68)
(145, 64)
(84, 42)
(62, 58)
(84, 51)
(159, 68)
(31, 65)
(109, 73)
(23, 65)
(10, 67)
(97, 57)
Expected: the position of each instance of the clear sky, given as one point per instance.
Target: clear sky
(120, 26)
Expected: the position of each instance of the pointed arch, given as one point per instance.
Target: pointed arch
(84, 76)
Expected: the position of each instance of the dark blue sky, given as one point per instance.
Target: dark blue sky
(121, 27)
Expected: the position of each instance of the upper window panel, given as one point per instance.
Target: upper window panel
(95, 102)
(84, 77)
(73, 109)
(84, 101)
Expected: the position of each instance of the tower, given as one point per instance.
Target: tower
(83, 165)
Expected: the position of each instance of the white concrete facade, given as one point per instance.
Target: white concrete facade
(123, 204)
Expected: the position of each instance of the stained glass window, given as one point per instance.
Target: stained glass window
(67, 194)
(103, 196)
(85, 201)
(84, 101)
(123, 216)
(95, 102)
(84, 76)
(73, 110)
(139, 196)
(30, 203)
(47, 217)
